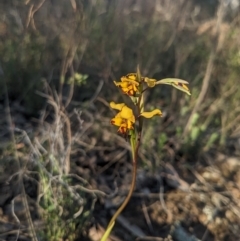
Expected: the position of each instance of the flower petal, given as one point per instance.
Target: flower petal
(121, 84)
(127, 113)
(122, 129)
(131, 92)
(117, 121)
(132, 78)
(129, 124)
(125, 90)
(150, 114)
(115, 106)
(150, 82)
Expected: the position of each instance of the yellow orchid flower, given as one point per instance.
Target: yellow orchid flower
(131, 126)
(129, 84)
(125, 119)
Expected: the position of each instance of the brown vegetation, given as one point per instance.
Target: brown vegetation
(63, 169)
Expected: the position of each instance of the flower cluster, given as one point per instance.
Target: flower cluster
(133, 85)
(129, 84)
(125, 119)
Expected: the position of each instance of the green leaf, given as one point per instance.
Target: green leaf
(194, 119)
(162, 140)
(179, 131)
(171, 80)
(195, 133)
(139, 77)
(211, 140)
(176, 83)
(134, 99)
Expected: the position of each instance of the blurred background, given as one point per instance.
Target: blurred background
(63, 167)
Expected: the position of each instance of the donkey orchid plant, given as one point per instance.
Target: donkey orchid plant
(130, 121)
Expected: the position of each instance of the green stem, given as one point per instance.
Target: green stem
(134, 174)
(135, 147)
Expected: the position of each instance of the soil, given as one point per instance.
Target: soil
(181, 201)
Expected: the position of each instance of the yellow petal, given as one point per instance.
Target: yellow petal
(132, 76)
(129, 124)
(121, 84)
(150, 114)
(134, 88)
(117, 83)
(115, 106)
(129, 80)
(126, 113)
(131, 92)
(117, 121)
(150, 82)
(125, 90)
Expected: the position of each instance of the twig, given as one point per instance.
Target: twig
(93, 147)
(16, 218)
(69, 143)
(117, 157)
(146, 215)
(162, 201)
(74, 5)
(31, 13)
(210, 65)
(133, 229)
(91, 191)
(20, 178)
(149, 238)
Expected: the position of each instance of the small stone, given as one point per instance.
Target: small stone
(230, 216)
